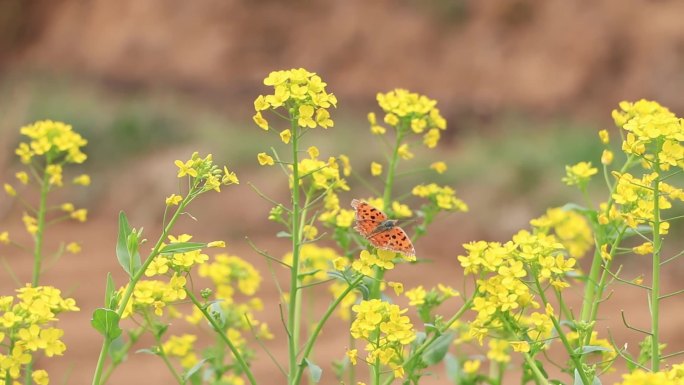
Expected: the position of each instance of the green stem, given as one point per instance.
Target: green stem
(314, 335)
(165, 358)
(294, 307)
(226, 340)
(540, 378)
(655, 285)
(568, 347)
(42, 210)
(134, 280)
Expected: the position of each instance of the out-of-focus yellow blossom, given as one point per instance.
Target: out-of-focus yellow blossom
(309, 232)
(285, 136)
(404, 152)
(416, 296)
(173, 200)
(4, 238)
(83, 180)
(603, 135)
(265, 159)
(376, 169)
(471, 366)
(67, 207)
(443, 197)
(401, 210)
(313, 152)
(30, 223)
(644, 248)
(498, 351)
(440, 168)
(10, 190)
(260, 121)
(571, 229)
(40, 377)
(73, 248)
(398, 287)
(23, 177)
(607, 157)
(315, 262)
(181, 347)
(80, 215)
(579, 174)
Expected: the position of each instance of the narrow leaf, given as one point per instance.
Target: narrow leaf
(129, 260)
(193, 370)
(109, 291)
(182, 247)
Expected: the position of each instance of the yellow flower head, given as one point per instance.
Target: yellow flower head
(265, 159)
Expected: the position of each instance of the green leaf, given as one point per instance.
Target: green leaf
(592, 349)
(106, 321)
(193, 370)
(147, 351)
(182, 247)
(109, 291)
(452, 367)
(438, 349)
(314, 370)
(283, 234)
(126, 249)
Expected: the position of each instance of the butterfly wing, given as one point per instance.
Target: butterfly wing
(368, 218)
(395, 240)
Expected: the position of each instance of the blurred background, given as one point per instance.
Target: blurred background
(524, 86)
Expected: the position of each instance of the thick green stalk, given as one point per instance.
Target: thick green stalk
(294, 308)
(655, 285)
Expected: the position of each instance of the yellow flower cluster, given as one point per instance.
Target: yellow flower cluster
(504, 270)
(25, 325)
(579, 174)
(405, 111)
(204, 173)
(55, 140)
(154, 294)
(674, 376)
(318, 174)
(181, 347)
(314, 262)
(444, 197)
(301, 93)
(386, 330)
(382, 259)
(570, 228)
(231, 274)
(178, 262)
(636, 198)
(652, 132)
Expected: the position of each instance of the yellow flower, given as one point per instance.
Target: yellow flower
(22, 177)
(4, 238)
(67, 207)
(603, 135)
(285, 136)
(221, 244)
(306, 116)
(352, 354)
(73, 248)
(40, 377)
(323, 118)
(260, 121)
(431, 138)
(80, 215)
(10, 190)
(186, 168)
(55, 173)
(579, 174)
(520, 346)
(644, 248)
(471, 366)
(260, 103)
(345, 218)
(378, 130)
(397, 286)
(404, 152)
(440, 167)
(376, 168)
(346, 165)
(607, 157)
(265, 159)
(309, 232)
(173, 200)
(313, 152)
(416, 296)
(83, 180)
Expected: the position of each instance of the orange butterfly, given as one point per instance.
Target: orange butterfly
(382, 232)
